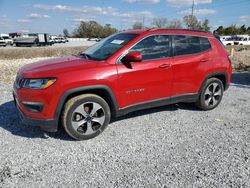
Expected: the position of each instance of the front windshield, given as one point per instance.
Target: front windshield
(108, 46)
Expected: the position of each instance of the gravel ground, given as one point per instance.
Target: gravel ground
(172, 146)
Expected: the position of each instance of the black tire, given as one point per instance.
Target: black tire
(71, 117)
(204, 102)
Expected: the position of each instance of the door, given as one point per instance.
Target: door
(150, 79)
(191, 63)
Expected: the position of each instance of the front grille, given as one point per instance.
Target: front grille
(19, 82)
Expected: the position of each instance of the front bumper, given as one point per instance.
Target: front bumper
(44, 124)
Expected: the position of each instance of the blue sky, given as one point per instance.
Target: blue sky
(53, 16)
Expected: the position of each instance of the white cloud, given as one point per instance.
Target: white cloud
(244, 18)
(87, 13)
(140, 14)
(128, 20)
(181, 3)
(37, 16)
(23, 20)
(4, 21)
(142, 1)
(83, 18)
(24, 31)
(83, 10)
(198, 11)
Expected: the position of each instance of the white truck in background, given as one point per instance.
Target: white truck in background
(245, 41)
(7, 39)
(235, 40)
(228, 42)
(2, 42)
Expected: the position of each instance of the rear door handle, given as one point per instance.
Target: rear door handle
(164, 66)
(204, 60)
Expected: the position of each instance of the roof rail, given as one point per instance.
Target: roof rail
(152, 29)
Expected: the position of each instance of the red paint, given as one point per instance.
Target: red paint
(143, 81)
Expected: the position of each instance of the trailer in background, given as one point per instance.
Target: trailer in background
(33, 39)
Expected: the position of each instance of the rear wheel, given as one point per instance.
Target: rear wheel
(85, 116)
(211, 94)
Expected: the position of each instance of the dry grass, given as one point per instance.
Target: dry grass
(241, 61)
(9, 68)
(27, 53)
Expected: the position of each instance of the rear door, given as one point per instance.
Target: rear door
(191, 63)
(150, 79)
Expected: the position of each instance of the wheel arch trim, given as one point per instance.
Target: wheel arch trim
(214, 74)
(69, 92)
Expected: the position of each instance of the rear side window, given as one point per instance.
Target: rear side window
(185, 44)
(153, 47)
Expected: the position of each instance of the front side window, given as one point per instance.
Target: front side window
(108, 46)
(153, 47)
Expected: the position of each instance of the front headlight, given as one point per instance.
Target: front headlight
(38, 83)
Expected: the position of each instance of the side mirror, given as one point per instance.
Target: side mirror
(133, 57)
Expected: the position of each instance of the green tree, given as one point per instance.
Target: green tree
(248, 31)
(242, 29)
(220, 30)
(65, 32)
(92, 29)
(233, 30)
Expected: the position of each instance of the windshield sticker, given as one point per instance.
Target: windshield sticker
(116, 41)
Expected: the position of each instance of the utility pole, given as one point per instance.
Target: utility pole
(192, 9)
(143, 21)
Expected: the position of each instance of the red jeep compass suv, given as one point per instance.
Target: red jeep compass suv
(128, 71)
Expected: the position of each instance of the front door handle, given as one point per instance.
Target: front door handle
(164, 66)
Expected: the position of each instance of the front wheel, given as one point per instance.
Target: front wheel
(85, 116)
(211, 94)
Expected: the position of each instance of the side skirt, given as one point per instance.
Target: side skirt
(157, 103)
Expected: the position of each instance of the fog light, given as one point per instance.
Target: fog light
(33, 106)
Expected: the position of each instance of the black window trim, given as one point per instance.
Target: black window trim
(118, 61)
(172, 54)
(173, 45)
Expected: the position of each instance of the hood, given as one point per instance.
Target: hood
(52, 67)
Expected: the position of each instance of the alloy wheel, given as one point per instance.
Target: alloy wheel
(213, 94)
(87, 118)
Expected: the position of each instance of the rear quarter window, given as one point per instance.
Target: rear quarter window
(205, 44)
(185, 44)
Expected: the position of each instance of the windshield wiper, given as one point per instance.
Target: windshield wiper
(84, 55)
